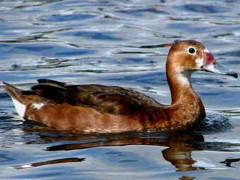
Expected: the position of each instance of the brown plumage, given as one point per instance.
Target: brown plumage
(110, 109)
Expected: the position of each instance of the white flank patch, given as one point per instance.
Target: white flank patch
(20, 108)
(199, 62)
(38, 105)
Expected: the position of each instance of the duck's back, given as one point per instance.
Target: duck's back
(105, 99)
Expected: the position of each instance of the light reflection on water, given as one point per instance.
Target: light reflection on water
(118, 43)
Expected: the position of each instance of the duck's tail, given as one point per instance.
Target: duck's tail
(17, 97)
(14, 92)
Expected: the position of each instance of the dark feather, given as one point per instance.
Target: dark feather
(53, 82)
(50, 89)
(109, 99)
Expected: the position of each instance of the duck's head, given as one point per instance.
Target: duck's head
(186, 57)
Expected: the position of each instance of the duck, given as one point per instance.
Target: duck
(95, 108)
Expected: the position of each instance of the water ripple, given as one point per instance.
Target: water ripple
(118, 43)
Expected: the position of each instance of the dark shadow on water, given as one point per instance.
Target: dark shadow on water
(213, 123)
(50, 162)
(230, 161)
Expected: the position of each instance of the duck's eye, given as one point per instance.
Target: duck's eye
(191, 50)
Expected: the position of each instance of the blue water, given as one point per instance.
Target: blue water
(119, 43)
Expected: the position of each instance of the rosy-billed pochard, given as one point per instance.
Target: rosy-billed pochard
(111, 109)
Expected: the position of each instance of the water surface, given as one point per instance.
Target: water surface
(119, 43)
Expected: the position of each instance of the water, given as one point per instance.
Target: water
(119, 43)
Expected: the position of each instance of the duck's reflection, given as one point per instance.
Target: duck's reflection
(178, 152)
(186, 178)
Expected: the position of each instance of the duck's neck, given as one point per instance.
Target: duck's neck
(180, 86)
(186, 107)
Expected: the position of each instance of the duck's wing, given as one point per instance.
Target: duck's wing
(109, 99)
